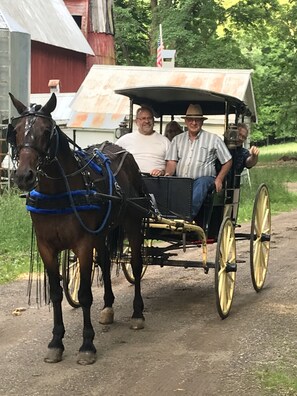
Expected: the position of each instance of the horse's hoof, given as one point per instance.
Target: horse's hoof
(85, 358)
(54, 355)
(137, 324)
(106, 316)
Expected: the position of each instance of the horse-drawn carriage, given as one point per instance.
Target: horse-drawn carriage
(94, 207)
(169, 228)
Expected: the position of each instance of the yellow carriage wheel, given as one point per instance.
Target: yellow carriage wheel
(126, 259)
(260, 237)
(225, 267)
(71, 276)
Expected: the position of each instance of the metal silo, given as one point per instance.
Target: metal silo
(15, 54)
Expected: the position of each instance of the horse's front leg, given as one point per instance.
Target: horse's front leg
(55, 347)
(135, 241)
(87, 352)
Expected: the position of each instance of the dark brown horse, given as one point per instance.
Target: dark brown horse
(76, 198)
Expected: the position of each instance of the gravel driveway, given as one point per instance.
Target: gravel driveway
(185, 348)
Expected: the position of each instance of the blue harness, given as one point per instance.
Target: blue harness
(39, 203)
(77, 200)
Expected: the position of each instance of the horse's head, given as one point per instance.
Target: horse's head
(33, 136)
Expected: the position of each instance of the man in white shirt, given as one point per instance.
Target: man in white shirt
(147, 146)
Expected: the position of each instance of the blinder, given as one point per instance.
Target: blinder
(11, 135)
(51, 151)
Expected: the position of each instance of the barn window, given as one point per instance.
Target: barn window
(77, 19)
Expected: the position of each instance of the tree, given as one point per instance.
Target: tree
(257, 34)
(189, 26)
(132, 22)
(268, 37)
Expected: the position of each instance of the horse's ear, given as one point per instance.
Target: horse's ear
(50, 106)
(17, 104)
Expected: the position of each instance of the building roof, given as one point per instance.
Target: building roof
(7, 22)
(62, 112)
(46, 21)
(97, 106)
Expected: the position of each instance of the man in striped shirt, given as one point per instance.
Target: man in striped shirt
(194, 153)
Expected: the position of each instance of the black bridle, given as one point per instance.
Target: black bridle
(46, 156)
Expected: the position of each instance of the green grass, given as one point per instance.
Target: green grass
(275, 174)
(275, 152)
(15, 226)
(279, 380)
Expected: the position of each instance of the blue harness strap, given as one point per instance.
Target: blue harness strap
(47, 203)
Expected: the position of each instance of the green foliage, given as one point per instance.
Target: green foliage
(267, 35)
(254, 34)
(189, 26)
(132, 20)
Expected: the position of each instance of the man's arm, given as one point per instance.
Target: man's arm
(222, 174)
(170, 168)
(253, 158)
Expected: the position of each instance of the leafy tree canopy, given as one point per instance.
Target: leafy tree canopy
(256, 34)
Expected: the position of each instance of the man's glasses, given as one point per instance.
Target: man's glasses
(145, 118)
(192, 120)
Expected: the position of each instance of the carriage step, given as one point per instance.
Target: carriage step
(231, 267)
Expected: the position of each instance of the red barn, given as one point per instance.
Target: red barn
(95, 20)
(59, 38)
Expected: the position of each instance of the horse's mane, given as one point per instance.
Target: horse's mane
(63, 139)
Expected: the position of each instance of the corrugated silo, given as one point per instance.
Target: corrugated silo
(15, 54)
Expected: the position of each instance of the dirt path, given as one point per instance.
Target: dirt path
(185, 348)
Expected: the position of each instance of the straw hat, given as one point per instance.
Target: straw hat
(194, 111)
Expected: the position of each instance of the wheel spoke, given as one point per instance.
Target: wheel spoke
(74, 271)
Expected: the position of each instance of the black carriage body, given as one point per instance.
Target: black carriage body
(173, 199)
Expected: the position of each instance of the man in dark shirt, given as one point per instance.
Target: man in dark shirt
(235, 136)
(244, 158)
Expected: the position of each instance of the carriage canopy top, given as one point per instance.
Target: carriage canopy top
(175, 100)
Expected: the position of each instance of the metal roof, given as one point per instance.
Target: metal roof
(97, 106)
(62, 112)
(6, 22)
(47, 21)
